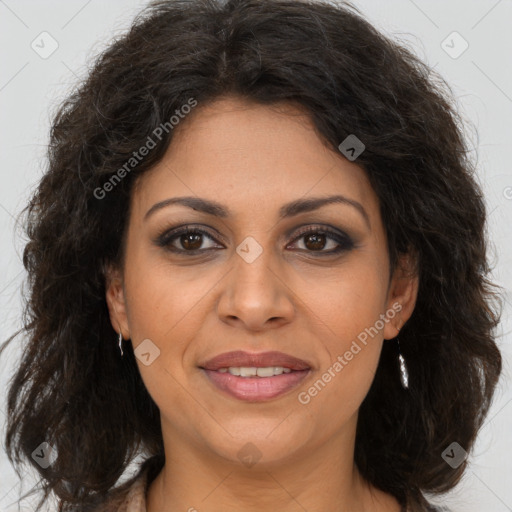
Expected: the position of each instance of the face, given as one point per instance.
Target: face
(256, 271)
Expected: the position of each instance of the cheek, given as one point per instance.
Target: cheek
(352, 345)
(160, 298)
(346, 301)
(167, 305)
(165, 308)
(347, 312)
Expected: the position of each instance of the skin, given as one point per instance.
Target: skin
(253, 159)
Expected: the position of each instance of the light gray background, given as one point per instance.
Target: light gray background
(31, 88)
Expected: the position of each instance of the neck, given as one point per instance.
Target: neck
(317, 479)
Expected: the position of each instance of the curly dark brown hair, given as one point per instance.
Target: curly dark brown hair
(73, 390)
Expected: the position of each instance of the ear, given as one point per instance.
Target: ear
(402, 294)
(116, 301)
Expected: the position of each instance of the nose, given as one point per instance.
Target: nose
(255, 295)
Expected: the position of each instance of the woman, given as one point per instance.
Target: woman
(257, 260)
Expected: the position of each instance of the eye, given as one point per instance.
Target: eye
(316, 239)
(191, 240)
(186, 239)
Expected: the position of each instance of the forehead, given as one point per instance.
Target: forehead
(253, 157)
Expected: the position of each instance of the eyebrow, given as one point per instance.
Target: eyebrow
(288, 210)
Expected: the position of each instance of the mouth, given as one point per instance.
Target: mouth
(255, 377)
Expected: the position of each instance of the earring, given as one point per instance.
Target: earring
(121, 343)
(404, 374)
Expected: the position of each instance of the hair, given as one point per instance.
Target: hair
(72, 389)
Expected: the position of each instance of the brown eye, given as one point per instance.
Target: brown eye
(315, 241)
(187, 239)
(191, 241)
(324, 241)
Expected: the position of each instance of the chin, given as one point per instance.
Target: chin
(265, 444)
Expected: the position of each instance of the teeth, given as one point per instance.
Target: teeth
(268, 372)
(252, 371)
(246, 372)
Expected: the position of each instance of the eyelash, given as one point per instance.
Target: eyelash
(345, 243)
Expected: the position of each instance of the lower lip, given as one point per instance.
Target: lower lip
(256, 389)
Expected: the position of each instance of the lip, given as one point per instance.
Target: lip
(255, 389)
(258, 360)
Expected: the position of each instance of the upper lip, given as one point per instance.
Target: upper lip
(239, 358)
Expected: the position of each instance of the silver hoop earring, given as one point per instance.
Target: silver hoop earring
(404, 374)
(121, 343)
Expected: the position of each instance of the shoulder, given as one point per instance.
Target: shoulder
(432, 508)
(423, 506)
(131, 495)
(135, 498)
(128, 498)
